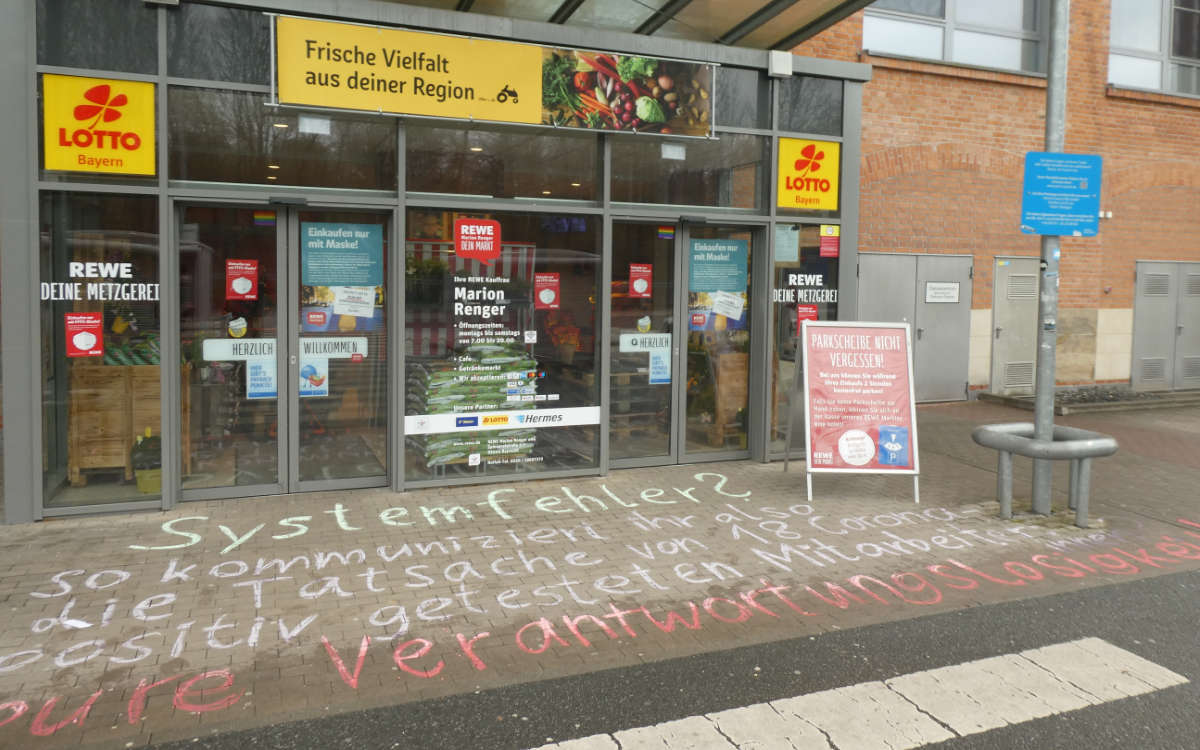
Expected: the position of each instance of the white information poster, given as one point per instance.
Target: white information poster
(358, 301)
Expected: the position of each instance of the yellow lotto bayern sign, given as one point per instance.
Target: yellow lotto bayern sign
(344, 66)
(97, 125)
(808, 174)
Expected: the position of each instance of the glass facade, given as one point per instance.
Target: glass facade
(233, 136)
(804, 286)
(494, 163)
(513, 348)
(501, 347)
(101, 344)
(211, 43)
(107, 35)
(725, 173)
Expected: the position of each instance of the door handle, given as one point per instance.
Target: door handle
(1179, 329)
(292, 359)
(998, 330)
(920, 332)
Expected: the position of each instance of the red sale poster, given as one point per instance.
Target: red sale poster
(85, 334)
(641, 280)
(859, 397)
(545, 291)
(241, 279)
(803, 313)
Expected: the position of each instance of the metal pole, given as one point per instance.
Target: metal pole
(1043, 400)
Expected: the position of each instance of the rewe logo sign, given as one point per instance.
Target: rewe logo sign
(477, 239)
(808, 174)
(98, 125)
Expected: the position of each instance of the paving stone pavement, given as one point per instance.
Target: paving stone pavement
(124, 630)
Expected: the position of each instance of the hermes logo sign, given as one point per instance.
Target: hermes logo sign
(98, 125)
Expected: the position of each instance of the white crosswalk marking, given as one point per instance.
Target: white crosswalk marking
(914, 709)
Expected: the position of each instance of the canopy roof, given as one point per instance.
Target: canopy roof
(759, 24)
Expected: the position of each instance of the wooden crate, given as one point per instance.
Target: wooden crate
(98, 428)
(110, 406)
(733, 385)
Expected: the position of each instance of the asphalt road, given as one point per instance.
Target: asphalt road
(1156, 619)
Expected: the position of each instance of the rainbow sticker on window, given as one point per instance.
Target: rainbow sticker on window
(264, 218)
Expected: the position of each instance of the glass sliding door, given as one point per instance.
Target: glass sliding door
(679, 354)
(283, 337)
(340, 348)
(642, 344)
(229, 260)
(717, 360)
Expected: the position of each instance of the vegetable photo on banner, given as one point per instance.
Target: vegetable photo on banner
(624, 92)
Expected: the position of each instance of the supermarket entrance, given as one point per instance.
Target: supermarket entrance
(283, 337)
(679, 347)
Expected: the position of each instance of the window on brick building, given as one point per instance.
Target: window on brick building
(1005, 34)
(1155, 44)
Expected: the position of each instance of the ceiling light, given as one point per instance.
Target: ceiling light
(545, 192)
(476, 148)
(272, 177)
(272, 166)
(280, 124)
(575, 184)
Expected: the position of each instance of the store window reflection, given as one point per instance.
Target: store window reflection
(233, 136)
(501, 344)
(727, 172)
(501, 163)
(100, 370)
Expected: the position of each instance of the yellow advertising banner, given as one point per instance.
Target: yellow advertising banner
(98, 125)
(395, 71)
(808, 174)
(327, 64)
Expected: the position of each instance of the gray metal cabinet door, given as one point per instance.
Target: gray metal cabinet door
(1187, 327)
(942, 330)
(1014, 325)
(1154, 308)
(887, 287)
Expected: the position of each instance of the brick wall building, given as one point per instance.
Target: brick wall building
(943, 146)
